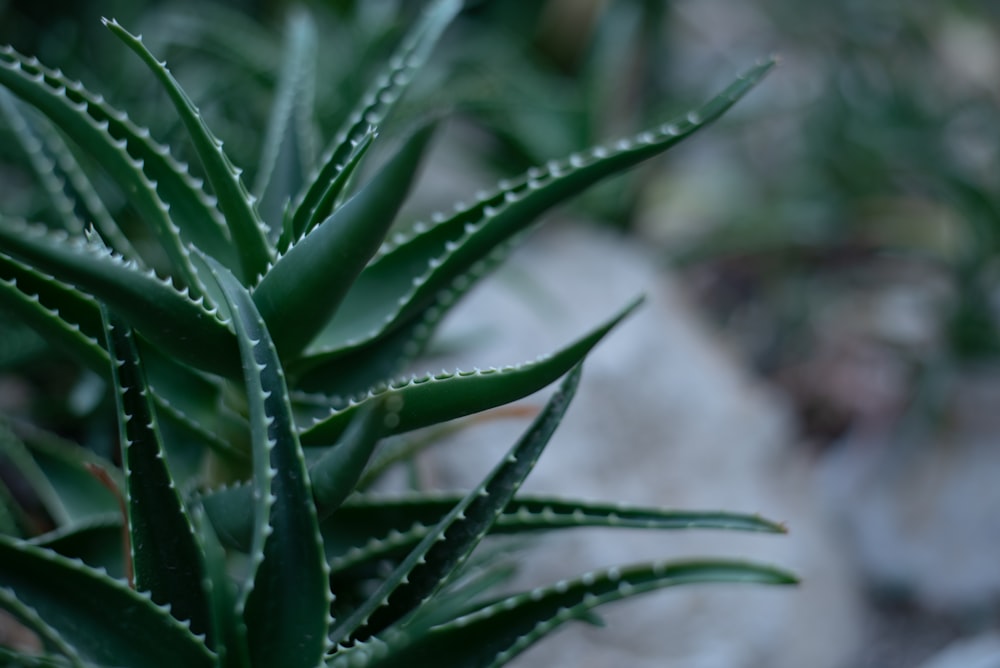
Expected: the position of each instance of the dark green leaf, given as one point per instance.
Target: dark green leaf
(449, 544)
(306, 285)
(166, 558)
(430, 400)
(286, 607)
(407, 278)
(100, 618)
(236, 204)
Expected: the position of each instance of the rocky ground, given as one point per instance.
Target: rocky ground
(667, 415)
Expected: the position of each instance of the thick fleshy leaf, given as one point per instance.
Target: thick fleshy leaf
(100, 541)
(237, 205)
(433, 399)
(495, 633)
(63, 315)
(165, 556)
(166, 316)
(103, 620)
(366, 530)
(443, 551)
(228, 629)
(306, 285)
(289, 144)
(286, 606)
(407, 277)
(70, 193)
(52, 643)
(338, 176)
(335, 475)
(67, 468)
(312, 205)
(154, 183)
(349, 372)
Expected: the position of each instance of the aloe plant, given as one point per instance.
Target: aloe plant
(256, 364)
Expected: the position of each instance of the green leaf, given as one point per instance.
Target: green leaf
(452, 540)
(152, 181)
(495, 633)
(228, 630)
(286, 608)
(52, 642)
(18, 462)
(306, 285)
(407, 278)
(166, 558)
(236, 204)
(166, 316)
(61, 177)
(371, 528)
(63, 315)
(354, 370)
(311, 205)
(100, 618)
(335, 475)
(98, 541)
(433, 399)
(336, 176)
(78, 496)
(289, 144)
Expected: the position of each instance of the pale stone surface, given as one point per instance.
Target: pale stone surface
(920, 506)
(977, 652)
(664, 416)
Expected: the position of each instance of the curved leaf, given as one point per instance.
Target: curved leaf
(495, 633)
(434, 399)
(406, 278)
(286, 607)
(151, 180)
(310, 206)
(236, 204)
(166, 316)
(442, 552)
(366, 530)
(100, 618)
(62, 178)
(166, 558)
(305, 286)
(63, 315)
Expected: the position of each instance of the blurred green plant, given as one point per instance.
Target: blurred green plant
(255, 340)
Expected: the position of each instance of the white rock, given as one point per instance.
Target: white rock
(664, 417)
(977, 652)
(920, 506)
